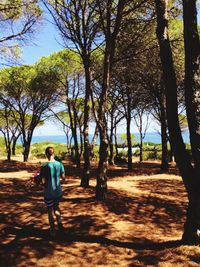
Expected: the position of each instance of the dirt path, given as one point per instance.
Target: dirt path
(140, 224)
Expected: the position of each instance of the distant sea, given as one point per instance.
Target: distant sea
(150, 137)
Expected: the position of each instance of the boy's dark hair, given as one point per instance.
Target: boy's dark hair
(49, 151)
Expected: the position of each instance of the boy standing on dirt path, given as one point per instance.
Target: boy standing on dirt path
(50, 175)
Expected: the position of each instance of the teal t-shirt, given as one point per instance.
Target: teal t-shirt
(52, 171)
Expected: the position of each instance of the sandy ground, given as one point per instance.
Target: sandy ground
(140, 223)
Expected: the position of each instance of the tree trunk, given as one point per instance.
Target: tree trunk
(9, 154)
(77, 154)
(14, 146)
(192, 77)
(141, 137)
(81, 150)
(192, 89)
(8, 145)
(86, 154)
(111, 156)
(15, 138)
(93, 143)
(74, 135)
(178, 146)
(163, 119)
(128, 133)
(8, 149)
(141, 149)
(101, 187)
(26, 150)
(128, 128)
(116, 145)
(111, 31)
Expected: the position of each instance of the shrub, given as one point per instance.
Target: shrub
(121, 157)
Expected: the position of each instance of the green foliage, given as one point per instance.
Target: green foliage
(183, 122)
(18, 19)
(122, 140)
(38, 149)
(63, 64)
(2, 147)
(95, 153)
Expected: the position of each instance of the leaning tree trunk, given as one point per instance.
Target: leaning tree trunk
(8, 145)
(77, 154)
(192, 77)
(111, 145)
(192, 97)
(15, 138)
(101, 186)
(111, 29)
(128, 133)
(141, 137)
(73, 124)
(9, 152)
(26, 144)
(178, 146)
(128, 129)
(8, 148)
(86, 154)
(164, 161)
(141, 148)
(94, 141)
(116, 145)
(14, 146)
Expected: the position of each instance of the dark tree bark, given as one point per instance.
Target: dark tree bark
(190, 174)
(192, 76)
(169, 76)
(141, 145)
(15, 138)
(164, 137)
(73, 121)
(6, 131)
(115, 115)
(116, 145)
(101, 186)
(128, 126)
(192, 99)
(27, 136)
(94, 141)
(26, 151)
(129, 143)
(111, 145)
(8, 146)
(86, 154)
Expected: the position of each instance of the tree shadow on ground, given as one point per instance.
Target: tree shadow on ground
(124, 227)
(139, 168)
(15, 166)
(69, 236)
(42, 245)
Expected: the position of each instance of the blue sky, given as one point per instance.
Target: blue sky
(45, 42)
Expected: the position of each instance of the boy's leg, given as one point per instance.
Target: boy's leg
(51, 219)
(58, 215)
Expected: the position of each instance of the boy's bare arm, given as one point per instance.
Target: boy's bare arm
(63, 176)
(42, 180)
